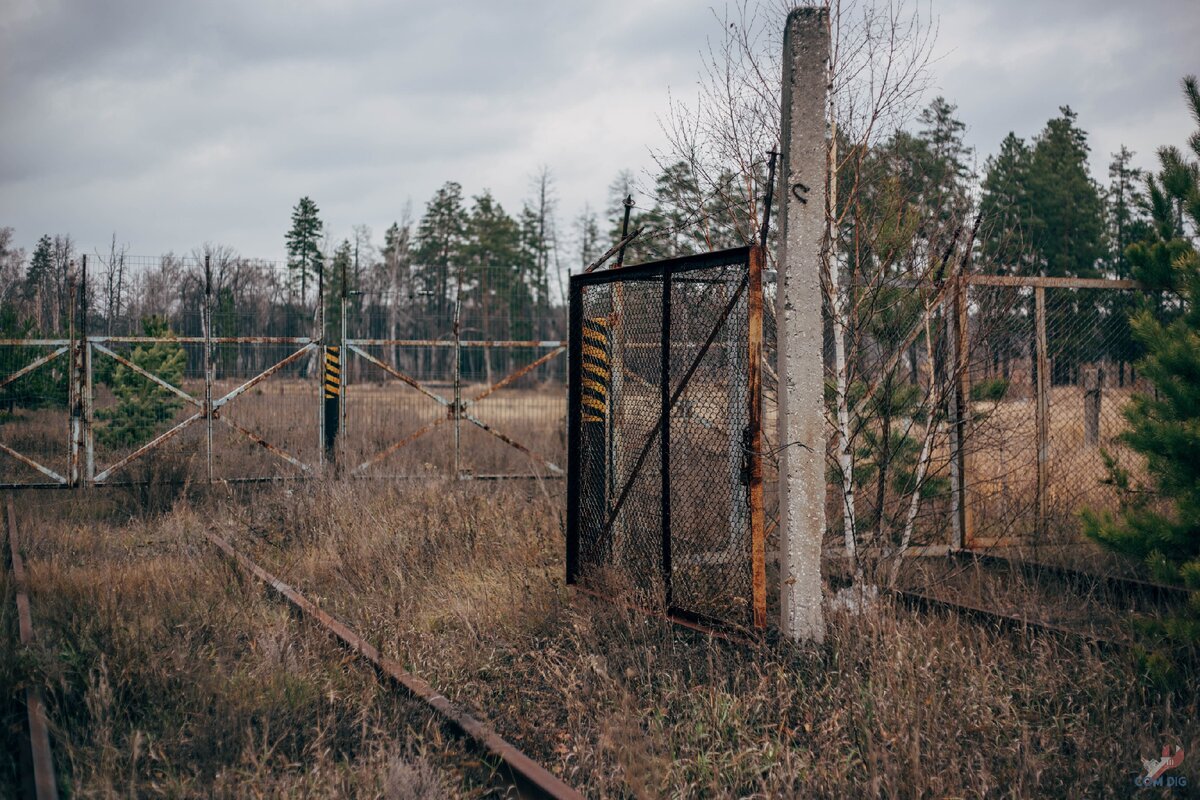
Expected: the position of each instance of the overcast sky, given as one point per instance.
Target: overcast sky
(172, 123)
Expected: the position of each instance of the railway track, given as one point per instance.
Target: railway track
(44, 784)
(527, 777)
(1005, 622)
(1128, 592)
(1129, 589)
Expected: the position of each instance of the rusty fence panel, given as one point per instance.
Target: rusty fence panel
(203, 389)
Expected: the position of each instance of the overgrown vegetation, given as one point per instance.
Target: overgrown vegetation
(1159, 520)
(143, 405)
(168, 675)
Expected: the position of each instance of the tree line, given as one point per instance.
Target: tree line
(1042, 213)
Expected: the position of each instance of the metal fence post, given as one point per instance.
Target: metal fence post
(74, 391)
(963, 315)
(320, 370)
(574, 426)
(959, 362)
(206, 321)
(88, 400)
(345, 365)
(752, 441)
(1093, 386)
(1043, 409)
(457, 410)
(664, 435)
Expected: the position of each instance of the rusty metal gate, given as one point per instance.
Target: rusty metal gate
(664, 481)
(238, 408)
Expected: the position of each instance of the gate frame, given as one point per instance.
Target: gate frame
(963, 517)
(753, 258)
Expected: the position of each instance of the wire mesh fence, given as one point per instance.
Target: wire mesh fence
(185, 368)
(1002, 433)
(1048, 381)
(665, 483)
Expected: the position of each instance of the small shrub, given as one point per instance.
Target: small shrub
(991, 390)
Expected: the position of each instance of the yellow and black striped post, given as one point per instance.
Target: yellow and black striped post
(333, 397)
(595, 402)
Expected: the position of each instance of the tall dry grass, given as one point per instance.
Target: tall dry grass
(168, 674)
(464, 585)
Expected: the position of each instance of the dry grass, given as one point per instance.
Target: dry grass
(166, 674)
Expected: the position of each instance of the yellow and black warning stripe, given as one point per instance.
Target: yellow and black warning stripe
(333, 373)
(595, 380)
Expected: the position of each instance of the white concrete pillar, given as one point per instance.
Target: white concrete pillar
(798, 319)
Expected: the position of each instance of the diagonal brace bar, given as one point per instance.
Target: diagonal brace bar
(557, 470)
(147, 375)
(262, 376)
(407, 440)
(29, 462)
(413, 382)
(148, 446)
(32, 365)
(687, 376)
(525, 370)
(263, 443)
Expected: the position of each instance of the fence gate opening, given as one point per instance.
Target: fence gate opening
(664, 434)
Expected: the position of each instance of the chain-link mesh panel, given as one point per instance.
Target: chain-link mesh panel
(675, 524)
(1001, 440)
(1037, 445)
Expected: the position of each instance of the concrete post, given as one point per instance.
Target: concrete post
(798, 319)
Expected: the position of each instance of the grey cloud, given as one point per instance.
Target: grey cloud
(174, 123)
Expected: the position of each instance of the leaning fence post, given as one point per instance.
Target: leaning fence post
(1042, 410)
(206, 321)
(802, 236)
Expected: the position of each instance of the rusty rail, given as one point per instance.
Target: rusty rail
(1005, 622)
(45, 784)
(539, 343)
(1119, 585)
(531, 779)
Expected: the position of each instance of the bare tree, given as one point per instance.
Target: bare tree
(113, 276)
(11, 260)
(878, 268)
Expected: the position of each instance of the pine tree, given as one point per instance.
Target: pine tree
(440, 238)
(1125, 224)
(946, 172)
(305, 259)
(493, 259)
(1066, 238)
(38, 281)
(142, 405)
(587, 236)
(1159, 521)
(1004, 206)
(1066, 213)
(341, 267)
